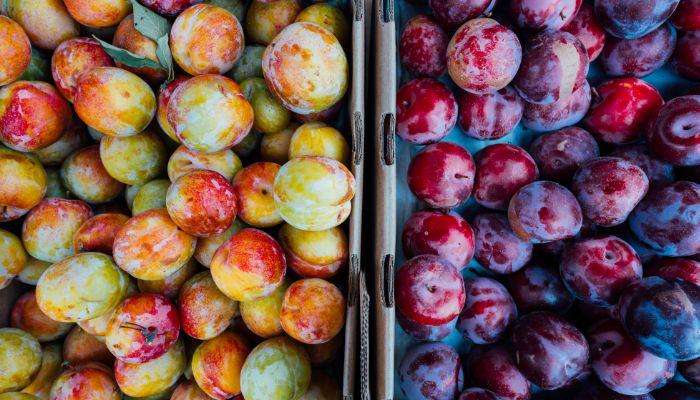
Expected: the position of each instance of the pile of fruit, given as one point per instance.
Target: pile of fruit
(172, 184)
(585, 279)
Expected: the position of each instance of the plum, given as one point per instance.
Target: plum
(477, 394)
(621, 364)
(488, 312)
(442, 175)
(537, 287)
(429, 290)
(544, 211)
(543, 15)
(560, 153)
(597, 391)
(587, 29)
(630, 19)
(502, 169)
(687, 15)
(641, 56)
(686, 58)
(493, 368)
(489, 116)
(547, 349)
(442, 234)
(663, 316)
(426, 111)
(667, 219)
(608, 189)
(422, 47)
(424, 332)
(554, 65)
(560, 114)
(621, 109)
(674, 134)
(659, 172)
(690, 370)
(483, 56)
(677, 391)
(453, 13)
(431, 371)
(676, 268)
(598, 269)
(497, 248)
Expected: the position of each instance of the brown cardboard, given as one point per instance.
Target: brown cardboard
(385, 196)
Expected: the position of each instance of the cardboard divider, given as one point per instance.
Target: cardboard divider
(385, 196)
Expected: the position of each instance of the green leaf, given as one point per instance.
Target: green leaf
(149, 23)
(126, 57)
(165, 56)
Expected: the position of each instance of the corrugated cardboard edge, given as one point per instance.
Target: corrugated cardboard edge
(357, 120)
(385, 196)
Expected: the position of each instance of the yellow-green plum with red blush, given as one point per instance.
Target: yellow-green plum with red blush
(13, 257)
(47, 232)
(313, 311)
(128, 38)
(262, 316)
(249, 265)
(150, 246)
(89, 380)
(255, 194)
(51, 366)
(98, 13)
(184, 160)
(22, 183)
(97, 233)
(202, 203)
(170, 285)
(16, 52)
(206, 39)
(329, 17)
(134, 160)
(97, 327)
(91, 285)
(31, 273)
(114, 101)
(188, 390)
(164, 94)
(20, 359)
(265, 19)
(306, 67)
(192, 105)
(274, 147)
(33, 115)
(217, 364)
(46, 22)
(80, 346)
(314, 254)
(73, 138)
(207, 247)
(318, 139)
(27, 316)
(73, 57)
(205, 312)
(150, 196)
(152, 377)
(83, 173)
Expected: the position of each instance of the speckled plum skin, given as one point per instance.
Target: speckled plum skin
(453, 13)
(446, 235)
(686, 58)
(597, 270)
(422, 47)
(687, 15)
(423, 332)
(587, 29)
(674, 135)
(429, 290)
(493, 368)
(638, 57)
(595, 390)
(560, 114)
(169, 8)
(502, 169)
(544, 211)
(426, 111)
(543, 77)
(483, 56)
(630, 19)
(676, 268)
(676, 391)
(143, 327)
(663, 316)
(431, 371)
(496, 247)
(489, 116)
(477, 394)
(621, 109)
(543, 15)
(537, 287)
(667, 220)
(442, 175)
(621, 364)
(659, 172)
(608, 189)
(547, 349)
(560, 153)
(488, 312)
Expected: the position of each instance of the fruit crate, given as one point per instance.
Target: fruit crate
(394, 201)
(346, 368)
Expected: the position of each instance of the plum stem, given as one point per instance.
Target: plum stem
(148, 333)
